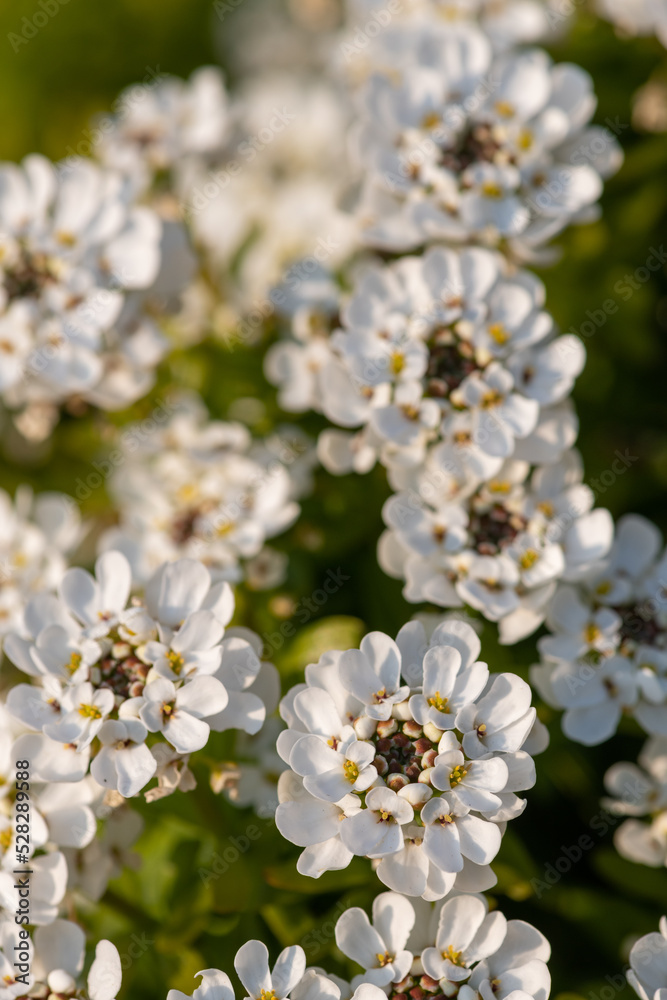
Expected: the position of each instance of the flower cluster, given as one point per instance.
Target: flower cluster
(456, 948)
(607, 654)
(501, 547)
(460, 144)
(203, 489)
(108, 670)
(36, 536)
(81, 260)
(54, 963)
(505, 23)
(409, 753)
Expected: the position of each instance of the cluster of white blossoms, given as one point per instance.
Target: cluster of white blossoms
(648, 965)
(460, 144)
(505, 23)
(51, 963)
(640, 792)
(107, 669)
(409, 753)
(37, 534)
(636, 17)
(191, 487)
(456, 948)
(607, 654)
(81, 265)
(499, 547)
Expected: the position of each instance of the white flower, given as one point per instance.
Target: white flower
(466, 934)
(607, 653)
(75, 249)
(446, 156)
(124, 762)
(648, 961)
(379, 948)
(36, 535)
(179, 714)
(159, 663)
(415, 774)
(202, 489)
(507, 549)
(252, 966)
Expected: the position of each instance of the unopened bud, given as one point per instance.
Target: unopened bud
(432, 732)
(397, 781)
(387, 727)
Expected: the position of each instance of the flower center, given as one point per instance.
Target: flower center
(438, 702)
(457, 775)
(74, 663)
(351, 771)
(385, 959)
(402, 755)
(267, 995)
(90, 711)
(528, 559)
(176, 660)
(455, 957)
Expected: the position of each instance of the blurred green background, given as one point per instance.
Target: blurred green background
(49, 88)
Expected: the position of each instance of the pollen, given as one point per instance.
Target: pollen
(445, 820)
(591, 633)
(397, 362)
(384, 959)
(176, 660)
(525, 139)
(546, 508)
(351, 771)
(90, 711)
(438, 702)
(499, 486)
(481, 730)
(492, 190)
(6, 838)
(74, 663)
(385, 817)
(491, 398)
(66, 239)
(528, 559)
(603, 588)
(499, 333)
(267, 995)
(380, 696)
(431, 119)
(455, 957)
(457, 775)
(504, 109)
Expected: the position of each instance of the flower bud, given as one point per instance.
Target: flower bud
(397, 781)
(386, 727)
(432, 732)
(412, 729)
(425, 776)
